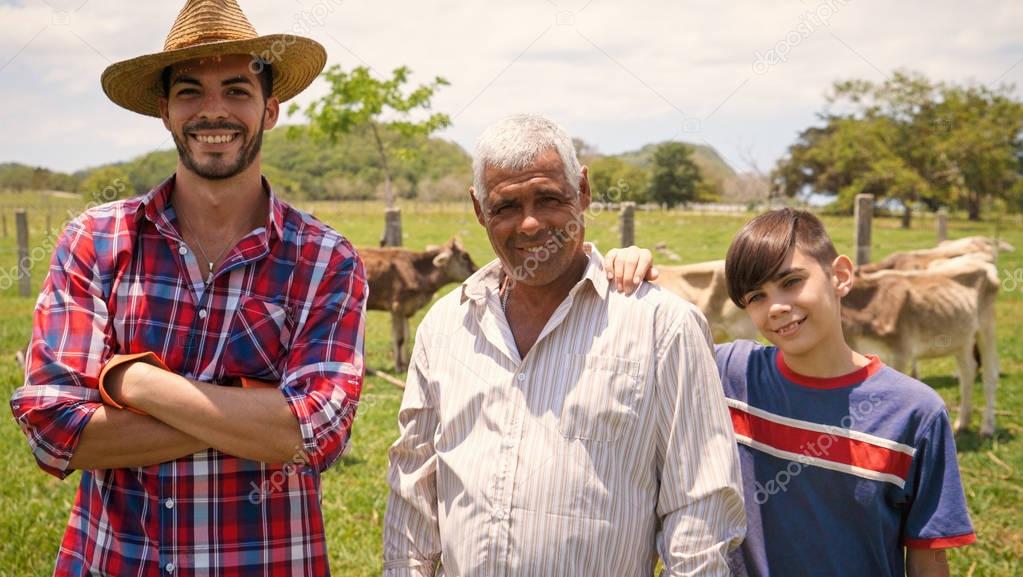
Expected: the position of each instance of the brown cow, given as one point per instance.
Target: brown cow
(703, 284)
(403, 281)
(979, 247)
(974, 247)
(943, 311)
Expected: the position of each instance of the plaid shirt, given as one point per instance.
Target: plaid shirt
(287, 306)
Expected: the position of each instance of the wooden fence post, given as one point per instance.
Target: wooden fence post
(392, 227)
(24, 264)
(864, 218)
(3, 219)
(627, 223)
(942, 224)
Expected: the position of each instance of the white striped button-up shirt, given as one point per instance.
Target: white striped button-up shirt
(608, 444)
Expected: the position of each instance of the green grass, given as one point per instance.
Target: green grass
(34, 506)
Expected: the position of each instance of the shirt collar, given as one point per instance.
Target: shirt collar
(487, 280)
(157, 201)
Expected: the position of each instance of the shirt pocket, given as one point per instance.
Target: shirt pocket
(259, 337)
(602, 402)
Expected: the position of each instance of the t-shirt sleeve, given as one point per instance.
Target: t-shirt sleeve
(722, 353)
(937, 517)
(732, 360)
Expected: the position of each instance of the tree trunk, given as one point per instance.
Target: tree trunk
(973, 206)
(907, 215)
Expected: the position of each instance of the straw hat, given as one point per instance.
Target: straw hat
(213, 28)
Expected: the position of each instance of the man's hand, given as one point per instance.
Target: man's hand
(626, 268)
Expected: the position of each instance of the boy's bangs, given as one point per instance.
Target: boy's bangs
(759, 250)
(756, 255)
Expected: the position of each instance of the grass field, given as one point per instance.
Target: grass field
(34, 506)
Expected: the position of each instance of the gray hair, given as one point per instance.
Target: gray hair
(516, 142)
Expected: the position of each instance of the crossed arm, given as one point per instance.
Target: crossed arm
(186, 417)
(306, 417)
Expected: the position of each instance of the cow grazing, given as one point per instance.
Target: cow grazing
(703, 284)
(979, 247)
(403, 281)
(946, 310)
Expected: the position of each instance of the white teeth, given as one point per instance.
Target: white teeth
(534, 249)
(791, 327)
(219, 139)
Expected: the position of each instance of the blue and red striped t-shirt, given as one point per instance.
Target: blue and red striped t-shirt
(839, 474)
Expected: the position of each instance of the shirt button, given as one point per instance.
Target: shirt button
(202, 313)
(182, 250)
(522, 377)
(500, 514)
(169, 567)
(169, 503)
(508, 443)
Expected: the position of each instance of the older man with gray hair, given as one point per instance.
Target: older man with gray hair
(551, 425)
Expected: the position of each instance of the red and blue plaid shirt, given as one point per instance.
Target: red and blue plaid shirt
(287, 306)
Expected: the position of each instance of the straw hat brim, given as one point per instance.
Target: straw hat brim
(135, 84)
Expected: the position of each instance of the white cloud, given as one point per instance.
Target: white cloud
(617, 74)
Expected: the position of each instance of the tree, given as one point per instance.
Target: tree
(151, 169)
(106, 184)
(359, 101)
(850, 157)
(909, 139)
(977, 154)
(614, 180)
(674, 177)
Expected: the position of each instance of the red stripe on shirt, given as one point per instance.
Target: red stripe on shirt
(940, 542)
(821, 445)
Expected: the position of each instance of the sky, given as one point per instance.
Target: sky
(745, 77)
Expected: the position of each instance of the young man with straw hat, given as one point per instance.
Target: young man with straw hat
(197, 351)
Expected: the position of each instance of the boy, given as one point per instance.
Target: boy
(849, 467)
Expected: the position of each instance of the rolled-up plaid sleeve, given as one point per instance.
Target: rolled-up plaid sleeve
(323, 375)
(71, 338)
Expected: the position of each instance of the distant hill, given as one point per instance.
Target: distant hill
(299, 167)
(712, 166)
(302, 167)
(19, 177)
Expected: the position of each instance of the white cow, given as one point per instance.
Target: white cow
(703, 284)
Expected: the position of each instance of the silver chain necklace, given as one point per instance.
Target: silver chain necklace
(202, 250)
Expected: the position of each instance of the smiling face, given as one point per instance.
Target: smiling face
(216, 113)
(799, 307)
(534, 219)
